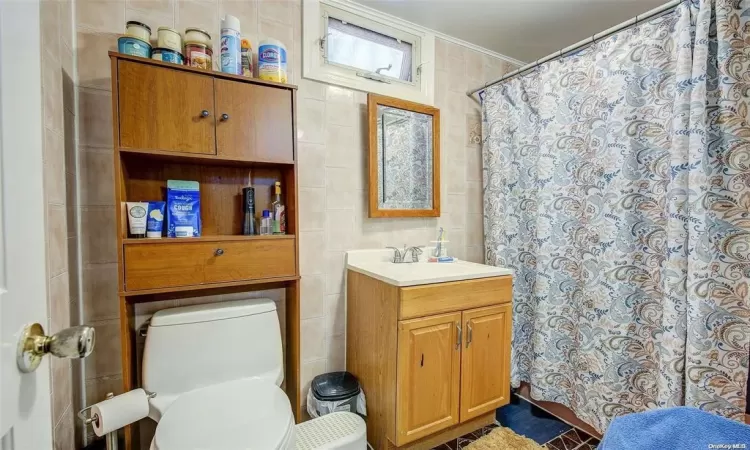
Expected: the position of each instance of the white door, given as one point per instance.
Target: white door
(25, 419)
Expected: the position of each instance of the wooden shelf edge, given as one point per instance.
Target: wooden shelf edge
(198, 157)
(228, 76)
(212, 238)
(201, 287)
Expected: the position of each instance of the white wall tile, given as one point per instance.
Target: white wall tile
(340, 188)
(341, 148)
(311, 121)
(473, 164)
(312, 209)
(312, 247)
(335, 314)
(312, 300)
(312, 337)
(312, 165)
(334, 263)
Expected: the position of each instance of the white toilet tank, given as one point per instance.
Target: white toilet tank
(195, 346)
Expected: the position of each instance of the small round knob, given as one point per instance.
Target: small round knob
(204, 113)
(219, 252)
(225, 116)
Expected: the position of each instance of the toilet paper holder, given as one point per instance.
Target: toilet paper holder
(111, 437)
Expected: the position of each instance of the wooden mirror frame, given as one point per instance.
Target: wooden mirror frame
(373, 100)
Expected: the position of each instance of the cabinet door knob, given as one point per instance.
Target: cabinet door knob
(469, 333)
(458, 336)
(219, 252)
(225, 116)
(204, 113)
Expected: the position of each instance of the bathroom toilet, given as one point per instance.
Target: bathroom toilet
(216, 371)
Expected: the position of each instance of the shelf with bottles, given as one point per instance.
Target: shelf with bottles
(221, 192)
(211, 238)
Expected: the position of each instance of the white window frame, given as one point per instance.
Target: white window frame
(315, 67)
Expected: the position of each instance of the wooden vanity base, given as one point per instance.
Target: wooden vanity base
(449, 434)
(433, 360)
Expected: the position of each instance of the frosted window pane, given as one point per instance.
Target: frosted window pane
(367, 50)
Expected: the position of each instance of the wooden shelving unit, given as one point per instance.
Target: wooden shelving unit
(226, 132)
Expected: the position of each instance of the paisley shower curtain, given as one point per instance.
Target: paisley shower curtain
(617, 186)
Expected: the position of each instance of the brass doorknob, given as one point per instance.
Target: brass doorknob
(73, 342)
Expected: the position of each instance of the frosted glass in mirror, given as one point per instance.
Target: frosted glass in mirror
(404, 159)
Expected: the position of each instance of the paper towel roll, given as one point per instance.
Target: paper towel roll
(119, 411)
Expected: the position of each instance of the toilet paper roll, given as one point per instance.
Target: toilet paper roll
(119, 411)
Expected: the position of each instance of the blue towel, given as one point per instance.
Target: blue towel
(675, 428)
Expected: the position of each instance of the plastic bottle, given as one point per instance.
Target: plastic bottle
(231, 59)
(247, 58)
(265, 223)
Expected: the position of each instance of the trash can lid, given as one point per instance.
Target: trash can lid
(335, 386)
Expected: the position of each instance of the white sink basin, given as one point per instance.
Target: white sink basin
(376, 264)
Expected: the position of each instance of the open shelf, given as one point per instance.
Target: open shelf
(214, 238)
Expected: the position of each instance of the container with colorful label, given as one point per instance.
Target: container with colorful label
(230, 46)
(272, 61)
(169, 38)
(183, 208)
(198, 55)
(132, 46)
(166, 55)
(247, 58)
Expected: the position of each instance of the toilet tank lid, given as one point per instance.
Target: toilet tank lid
(212, 311)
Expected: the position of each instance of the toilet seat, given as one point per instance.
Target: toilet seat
(237, 415)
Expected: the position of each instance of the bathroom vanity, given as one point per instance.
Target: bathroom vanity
(430, 344)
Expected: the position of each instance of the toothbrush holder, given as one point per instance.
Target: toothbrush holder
(442, 246)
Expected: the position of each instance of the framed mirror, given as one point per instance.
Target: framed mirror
(404, 158)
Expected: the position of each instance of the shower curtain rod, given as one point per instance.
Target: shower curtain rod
(579, 45)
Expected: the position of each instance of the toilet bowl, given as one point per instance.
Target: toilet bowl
(216, 371)
(242, 415)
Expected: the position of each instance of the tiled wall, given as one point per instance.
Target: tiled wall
(57, 60)
(332, 138)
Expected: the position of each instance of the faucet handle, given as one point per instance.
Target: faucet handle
(397, 256)
(415, 252)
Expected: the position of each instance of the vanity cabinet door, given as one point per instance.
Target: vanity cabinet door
(485, 360)
(427, 397)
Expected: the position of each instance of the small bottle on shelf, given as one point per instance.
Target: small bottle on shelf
(265, 223)
(279, 212)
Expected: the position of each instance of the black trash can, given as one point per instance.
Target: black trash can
(335, 391)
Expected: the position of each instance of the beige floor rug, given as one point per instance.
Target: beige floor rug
(502, 438)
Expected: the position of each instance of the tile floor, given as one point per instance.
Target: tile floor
(527, 420)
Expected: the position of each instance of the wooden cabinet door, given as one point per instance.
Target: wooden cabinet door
(429, 352)
(165, 109)
(254, 122)
(485, 360)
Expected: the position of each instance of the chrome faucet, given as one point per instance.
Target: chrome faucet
(399, 256)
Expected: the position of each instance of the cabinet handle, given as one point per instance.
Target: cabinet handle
(225, 116)
(468, 333)
(204, 113)
(219, 252)
(458, 336)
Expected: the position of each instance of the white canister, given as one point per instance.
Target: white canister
(198, 36)
(169, 38)
(272, 61)
(138, 30)
(230, 46)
